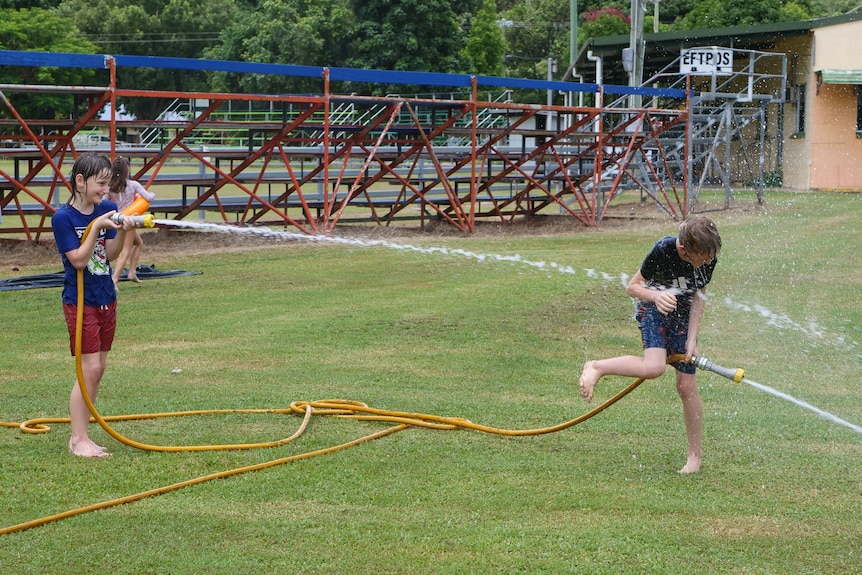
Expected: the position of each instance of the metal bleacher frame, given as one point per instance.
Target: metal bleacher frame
(311, 161)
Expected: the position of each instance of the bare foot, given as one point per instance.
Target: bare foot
(589, 377)
(86, 448)
(135, 279)
(692, 465)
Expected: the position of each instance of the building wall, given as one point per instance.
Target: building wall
(796, 162)
(838, 47)
(835, 147)
(825, 154)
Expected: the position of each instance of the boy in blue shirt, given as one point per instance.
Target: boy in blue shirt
(90, 178)
(670, 289)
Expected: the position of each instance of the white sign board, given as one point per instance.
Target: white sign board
(706, 61)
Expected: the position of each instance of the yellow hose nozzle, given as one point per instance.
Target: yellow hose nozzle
(144, 221)
(730, 373)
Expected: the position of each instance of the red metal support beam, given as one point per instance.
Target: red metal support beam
(334, 158)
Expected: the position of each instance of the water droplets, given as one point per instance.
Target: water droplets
(814, 332)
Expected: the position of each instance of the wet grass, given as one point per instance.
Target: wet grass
(499, 343)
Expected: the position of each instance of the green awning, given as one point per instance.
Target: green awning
(840, 76)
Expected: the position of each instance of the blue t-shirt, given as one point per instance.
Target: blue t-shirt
(664, 269)
(69, 225)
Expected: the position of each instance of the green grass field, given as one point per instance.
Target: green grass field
(500, 343)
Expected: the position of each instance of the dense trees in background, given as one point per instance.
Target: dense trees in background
(721, 13)
(40, 29)
(513, 37)
(485, 48)
(302, 32)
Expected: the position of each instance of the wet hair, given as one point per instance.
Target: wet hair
(120, 177)
(699, 235)
(87, 166)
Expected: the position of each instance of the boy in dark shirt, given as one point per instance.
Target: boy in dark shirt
(670, 293)
(91, 174)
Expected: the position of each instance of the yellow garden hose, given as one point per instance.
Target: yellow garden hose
(329, 407)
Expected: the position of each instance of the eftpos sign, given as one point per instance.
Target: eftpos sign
(706, 61)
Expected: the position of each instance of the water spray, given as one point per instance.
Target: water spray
(738, 375)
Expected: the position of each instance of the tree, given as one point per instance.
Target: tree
(304, 32)
(422, 35)
(167, 28)
(540, 30)
(40, 30)
(606, 21)
(724, 13)
(485, 45)
(820, 8)
(18, 4)
(669, 11)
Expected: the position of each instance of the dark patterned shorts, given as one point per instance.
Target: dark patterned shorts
(659, 330)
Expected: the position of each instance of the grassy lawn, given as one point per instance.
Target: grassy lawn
(500, 343)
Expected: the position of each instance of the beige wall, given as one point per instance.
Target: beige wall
(838, 47)
(796, 165)
(836, 150)
(827, 157)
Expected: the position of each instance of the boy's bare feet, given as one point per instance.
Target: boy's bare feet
(86, 448)
(589, 377)
(135, 279)
(692, 465)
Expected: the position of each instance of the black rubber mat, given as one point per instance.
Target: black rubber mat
(56, 279)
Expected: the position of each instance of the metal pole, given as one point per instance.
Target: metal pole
(636, 45)
(573, 33)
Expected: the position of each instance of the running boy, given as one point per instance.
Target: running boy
(90, 177)
(670, 293)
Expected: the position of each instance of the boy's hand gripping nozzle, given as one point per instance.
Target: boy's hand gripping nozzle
(730, 373)
(144, 221)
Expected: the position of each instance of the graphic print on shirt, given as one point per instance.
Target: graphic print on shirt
(681, 284)
(98, 264)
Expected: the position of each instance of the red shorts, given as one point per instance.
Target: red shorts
(100, 323)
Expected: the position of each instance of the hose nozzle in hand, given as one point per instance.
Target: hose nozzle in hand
(144, 221)
(732, 374)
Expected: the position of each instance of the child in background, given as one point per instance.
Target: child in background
(670, 293)
(91, 174)
(124, 191)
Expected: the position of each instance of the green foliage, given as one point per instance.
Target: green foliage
(832, 7)
(177, 28)
(539, 30)
(168, 28)
(671, 10)
(41, 30)
(303, 32)
(723, 13)
(606, 21)
(422, 35)
(485, 45)
(19, 4)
